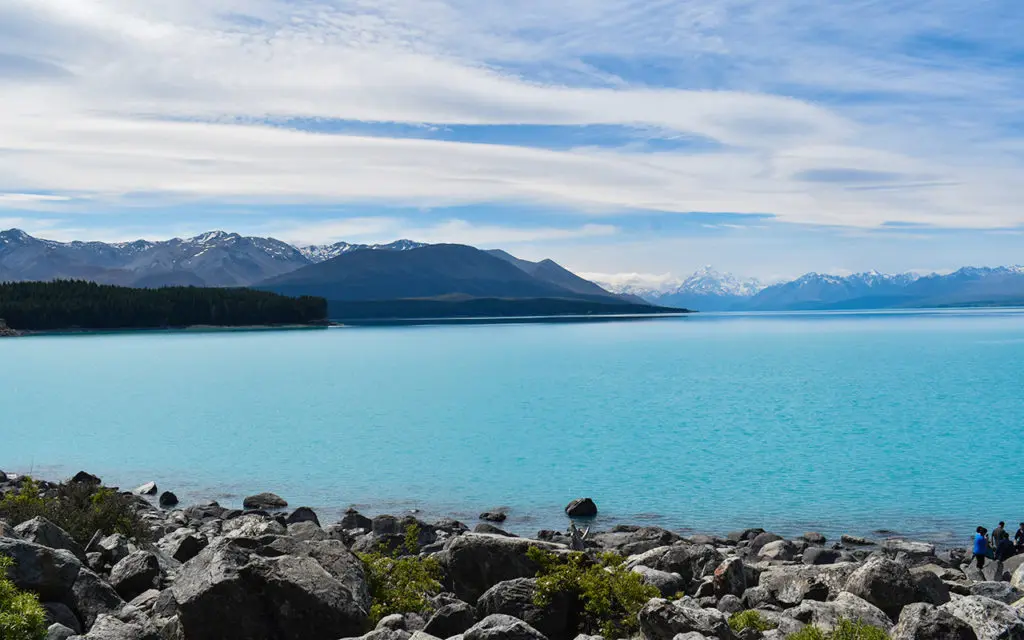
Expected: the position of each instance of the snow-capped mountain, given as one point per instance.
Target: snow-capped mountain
(708, 281)
(215, 259)
(320, 252)
(708, 290)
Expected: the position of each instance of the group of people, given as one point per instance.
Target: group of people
(998, 546)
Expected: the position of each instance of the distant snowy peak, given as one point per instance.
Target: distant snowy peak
(320, 253)
(869, 279)
(709, 282)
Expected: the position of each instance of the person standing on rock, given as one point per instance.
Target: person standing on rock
(981, 546)
(999, 533)
(1019, 537)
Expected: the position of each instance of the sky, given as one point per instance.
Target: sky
(631, 141)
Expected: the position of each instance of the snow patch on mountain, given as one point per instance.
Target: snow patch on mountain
(322, 252)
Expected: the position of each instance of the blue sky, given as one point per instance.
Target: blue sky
(632, 140)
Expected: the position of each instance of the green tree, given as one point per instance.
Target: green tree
(21, 615)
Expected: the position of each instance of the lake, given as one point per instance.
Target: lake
(838, 422)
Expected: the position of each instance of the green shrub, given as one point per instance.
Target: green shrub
(810, 632)
(80, 508)
(21, 615)
(611, 595)
(401, 584)
(750, 619)
(857, 630)
(846, 629)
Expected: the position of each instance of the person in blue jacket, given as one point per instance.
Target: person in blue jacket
(981, 546)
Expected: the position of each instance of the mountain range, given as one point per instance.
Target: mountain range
(340, 272)
(710, 290)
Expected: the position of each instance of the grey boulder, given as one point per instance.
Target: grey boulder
(827, 615)
(136, 573)
(661, 619)
(990, 619)
(227, 591)
(517, 598)
(91, 597)
(43, 532)
(581, 508)
(1002, 591)
(502, 627)
(57, 631)
(451, 619)
(922, 621)
(265, 501)
(884, 583)
(474, 562)
(668, 584)
(47, 572)
(148, 489)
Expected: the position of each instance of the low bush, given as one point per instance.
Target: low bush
(846, 629)
(610, 594)
(80, 508)
(21, 615)
(750, 619)
(401, 584)
(857, 630)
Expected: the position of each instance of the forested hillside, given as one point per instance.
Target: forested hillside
(72, 304)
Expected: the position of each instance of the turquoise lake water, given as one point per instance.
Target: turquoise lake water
(835, 422)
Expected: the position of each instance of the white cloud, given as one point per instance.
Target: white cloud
(116, 114)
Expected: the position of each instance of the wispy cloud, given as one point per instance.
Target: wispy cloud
(851, 114)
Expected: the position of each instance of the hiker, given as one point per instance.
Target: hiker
(1019, 537)
(981, 546)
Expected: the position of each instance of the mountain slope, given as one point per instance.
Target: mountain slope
(550, 271)
(320, 253)
(427, 272)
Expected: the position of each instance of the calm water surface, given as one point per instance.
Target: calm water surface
(834, 422)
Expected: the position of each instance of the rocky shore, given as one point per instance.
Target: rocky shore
(269, 571)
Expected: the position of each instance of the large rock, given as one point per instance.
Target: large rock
(183, 544)
(856, 541)
(581, 508)
(114, 548)
(730, 578)
(43, 532)
(303, 514)
(930, 588)
(355, 520)
(516, 598)
(60, 613)
(691, 561)
(1017, 579)
(229, 592)
(474, 563)
(909, 548)
(922, 621)
(827, 615)
(990, 619)
(168, 500)
(627, 540)
(252, 525)
(501, 627)
(1002, 591)
(788, 586)
(451, 619)
(761, 539)
(265, 501)
(668, 584)
(821, 555)
(58, 631)
(91, 597)
(138, 572)
(884, 583)
(47, 572)
(109, 627)
(782, 550)
(662, 620)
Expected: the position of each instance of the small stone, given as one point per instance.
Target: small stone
(148, 489)
(856, 541)
(265, 501)
(168, 500)
(303, 514)
(85, 477)
(813, 537)
(493, 516)
(581, 508)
